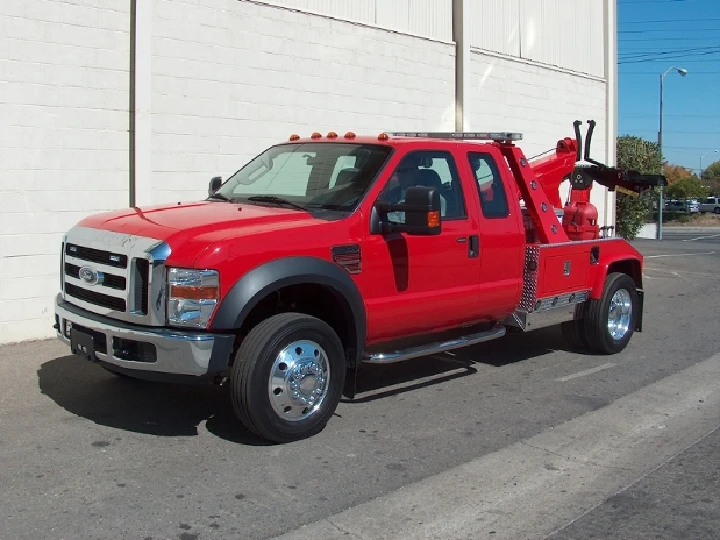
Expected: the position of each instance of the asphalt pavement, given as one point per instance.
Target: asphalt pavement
(519, 434)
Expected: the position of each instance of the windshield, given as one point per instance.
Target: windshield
(332, 176)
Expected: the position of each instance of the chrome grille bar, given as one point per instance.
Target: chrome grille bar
(116, 275)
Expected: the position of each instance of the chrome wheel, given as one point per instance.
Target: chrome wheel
(299, 380)
(619, 314)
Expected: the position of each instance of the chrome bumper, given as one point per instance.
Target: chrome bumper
(138, 349)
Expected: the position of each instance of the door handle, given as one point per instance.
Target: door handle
(474, 246)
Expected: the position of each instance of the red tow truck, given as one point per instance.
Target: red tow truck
(327, 252)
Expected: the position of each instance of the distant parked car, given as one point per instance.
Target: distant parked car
(711, 204)
(692, 206)
(675, 206)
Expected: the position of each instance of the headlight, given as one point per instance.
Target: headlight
(192, 296)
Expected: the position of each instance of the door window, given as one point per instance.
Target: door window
(432, 168)
(493, 198)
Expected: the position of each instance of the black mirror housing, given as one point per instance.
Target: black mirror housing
(214, 185)
(422, 210)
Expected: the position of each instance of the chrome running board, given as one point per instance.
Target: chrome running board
(435, 348)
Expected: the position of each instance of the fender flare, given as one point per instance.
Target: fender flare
(267, 278)
(633, 264)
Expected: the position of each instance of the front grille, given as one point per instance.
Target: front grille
(142, 285)
(109, 280)
(92, 297)
(100, 256)
(115, 274)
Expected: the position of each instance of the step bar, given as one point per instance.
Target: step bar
(435, 348)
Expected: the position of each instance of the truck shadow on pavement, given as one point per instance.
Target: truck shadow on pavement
(161, 409)
(171, 410)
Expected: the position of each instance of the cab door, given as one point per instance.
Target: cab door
(419, 284)
(501, 260)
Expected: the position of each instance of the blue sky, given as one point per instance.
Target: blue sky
(654, 35)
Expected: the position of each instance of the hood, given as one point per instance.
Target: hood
(170, 222)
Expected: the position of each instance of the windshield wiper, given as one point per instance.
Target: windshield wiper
(219, 196)
(276, 200)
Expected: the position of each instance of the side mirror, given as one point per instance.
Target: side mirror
(215, 184)
(422, 213)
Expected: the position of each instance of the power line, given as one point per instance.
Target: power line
(653, 1)
(691, 73)
(666, 30)
(655, 40)
(667, 115)
(671, 21)
(669, 57)
(670, 51)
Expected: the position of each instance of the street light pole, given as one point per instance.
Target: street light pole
(682, 72)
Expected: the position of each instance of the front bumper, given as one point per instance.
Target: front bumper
(141, 350)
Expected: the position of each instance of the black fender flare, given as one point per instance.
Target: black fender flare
(269, 277)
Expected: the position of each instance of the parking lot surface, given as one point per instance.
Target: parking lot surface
(89, 455)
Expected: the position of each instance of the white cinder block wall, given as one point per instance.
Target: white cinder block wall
(64, 141)
(222, 79)
(540, 102)
(231, 78)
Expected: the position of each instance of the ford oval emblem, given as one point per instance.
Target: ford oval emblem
(88, 275)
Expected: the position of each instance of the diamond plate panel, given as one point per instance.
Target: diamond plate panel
(530, 275)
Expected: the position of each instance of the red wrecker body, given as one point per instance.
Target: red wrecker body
(327, 252)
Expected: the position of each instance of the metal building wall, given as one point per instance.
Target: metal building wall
(562, 33)
(426, 18)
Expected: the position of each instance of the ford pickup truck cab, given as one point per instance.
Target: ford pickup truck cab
(326, 252)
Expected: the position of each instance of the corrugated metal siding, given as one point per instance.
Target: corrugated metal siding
(564, 33)
(495, 25)
(427, 18)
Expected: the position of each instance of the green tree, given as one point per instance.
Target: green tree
(687, 188)
(711, 178)
(637, 154)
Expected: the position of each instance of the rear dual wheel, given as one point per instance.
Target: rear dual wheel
(606, 325)
(288, 377)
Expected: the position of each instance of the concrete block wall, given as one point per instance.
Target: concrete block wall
(64, 141)
(230, 78)
(223, 80)
(542, 103)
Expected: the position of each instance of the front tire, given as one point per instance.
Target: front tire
(288, 377)
(610, 321)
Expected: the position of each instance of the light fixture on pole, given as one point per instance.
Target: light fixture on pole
(701, 160)
(682, 72)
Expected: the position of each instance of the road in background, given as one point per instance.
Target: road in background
(692, 234)
(89, 455)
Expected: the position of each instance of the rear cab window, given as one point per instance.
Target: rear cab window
(491, 189)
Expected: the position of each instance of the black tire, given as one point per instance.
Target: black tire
(716, 210)
(574, 331)
(251, 371)
(597, 312)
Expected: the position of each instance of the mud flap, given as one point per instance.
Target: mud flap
(640, 309)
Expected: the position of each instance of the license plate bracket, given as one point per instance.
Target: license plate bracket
(82, 344)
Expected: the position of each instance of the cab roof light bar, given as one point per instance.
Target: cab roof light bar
(466, 136)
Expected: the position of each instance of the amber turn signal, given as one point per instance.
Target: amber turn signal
(195, 292)
(349, 135)
(383, 137)
(294, 137)
(433, 219)
(315, 135)
(332, 135)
